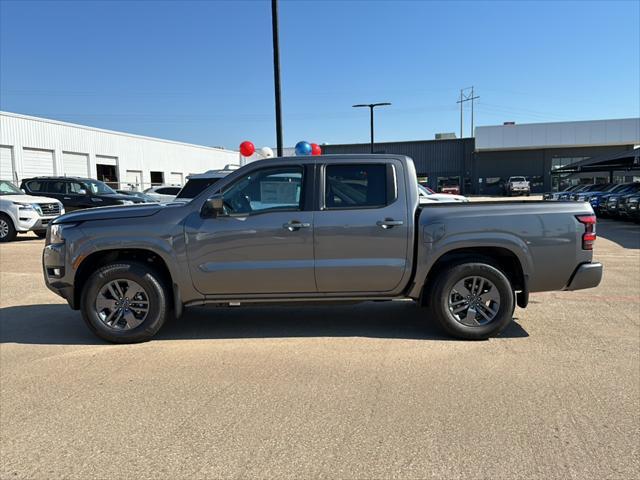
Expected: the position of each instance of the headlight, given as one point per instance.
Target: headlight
(29, 206)
(56, 232)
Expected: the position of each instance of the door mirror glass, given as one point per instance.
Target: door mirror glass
(214, 207)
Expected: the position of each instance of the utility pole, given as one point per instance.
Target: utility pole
(276, 74)
(466, 97)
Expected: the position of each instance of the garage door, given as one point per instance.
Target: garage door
(37, 163)
(175, 178)
(133, 178)
(6, 164)
(75, 164)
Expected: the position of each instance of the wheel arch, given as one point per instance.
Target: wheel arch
(142, 255)
(502, 258)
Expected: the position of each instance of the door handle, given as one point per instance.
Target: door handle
(293, 226)
(389, 223)
(66, 198)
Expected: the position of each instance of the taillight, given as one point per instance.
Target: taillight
(589, 235)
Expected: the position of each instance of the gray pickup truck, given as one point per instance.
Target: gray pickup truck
(317, 229)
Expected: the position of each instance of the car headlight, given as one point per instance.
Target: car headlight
(29, 206)
(56, 232)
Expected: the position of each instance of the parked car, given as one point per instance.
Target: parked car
(450, 186)
(199, 182)
(140, 195)
(624, 207)
(425, 193)
(584, 194)
(76, 193)
(163, 193)
(608, 205)
(517, 186)
(20, 213)
(556, 195)
(633, 207)
(564, 196)
(298, 229)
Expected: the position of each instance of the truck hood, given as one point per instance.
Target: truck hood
(110, 213)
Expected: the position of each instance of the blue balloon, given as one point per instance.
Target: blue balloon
(303, 148)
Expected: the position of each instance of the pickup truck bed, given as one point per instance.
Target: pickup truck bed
(325, 228)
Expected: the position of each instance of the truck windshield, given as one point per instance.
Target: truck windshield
(518, 179)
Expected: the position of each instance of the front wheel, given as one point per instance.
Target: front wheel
(125, 302)
(7, 230)
(472, 301)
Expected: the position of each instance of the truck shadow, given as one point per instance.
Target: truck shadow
(57, 325)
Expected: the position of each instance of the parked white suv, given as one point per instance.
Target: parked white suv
(163, 193)
(20, 213)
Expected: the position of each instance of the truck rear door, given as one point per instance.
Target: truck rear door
(361, 232)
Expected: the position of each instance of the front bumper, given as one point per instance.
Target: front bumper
(55, 274)
(28, 220)
(587, 275)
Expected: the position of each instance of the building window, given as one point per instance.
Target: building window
(157, 178)
(561, 162)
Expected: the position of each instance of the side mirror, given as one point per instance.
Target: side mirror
(214, 207)
(82, 191)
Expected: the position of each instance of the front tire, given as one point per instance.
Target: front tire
(7, 230)
(472, 301)
(125, 302)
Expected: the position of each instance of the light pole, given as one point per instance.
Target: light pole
(276, 74)
(371, 107)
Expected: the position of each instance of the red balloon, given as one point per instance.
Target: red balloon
(247, 148)
(315, 149)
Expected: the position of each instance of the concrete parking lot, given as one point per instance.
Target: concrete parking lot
(363, 391)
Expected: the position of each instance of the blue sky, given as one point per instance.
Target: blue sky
(201, 71)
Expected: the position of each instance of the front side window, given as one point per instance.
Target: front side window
(356, 186)
(270, 189)
(58, 187)
(75, 188)
(100, 188)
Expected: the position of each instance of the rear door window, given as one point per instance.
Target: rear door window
(58, 187)
(358, 186)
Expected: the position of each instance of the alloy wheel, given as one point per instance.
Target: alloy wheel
(122, 304)
(4, 228)
(474, 301)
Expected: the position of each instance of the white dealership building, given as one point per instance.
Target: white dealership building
(33, 146)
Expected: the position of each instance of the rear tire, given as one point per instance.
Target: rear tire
(125, 302)
(483, 289)
(7, 230)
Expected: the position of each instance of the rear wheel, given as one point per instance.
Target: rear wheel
(125, 302)
(472, 300)
(7, 230)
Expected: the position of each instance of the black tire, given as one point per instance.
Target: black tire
(40, 233)
(7, 230)
(148, 279)
(438, 300)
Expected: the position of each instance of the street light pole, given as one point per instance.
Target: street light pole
(371, 107)
(276, 74)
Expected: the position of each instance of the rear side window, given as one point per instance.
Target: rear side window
(57, 187)
(359, 186)
(37, 186)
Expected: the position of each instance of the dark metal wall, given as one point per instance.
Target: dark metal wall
(433, 158)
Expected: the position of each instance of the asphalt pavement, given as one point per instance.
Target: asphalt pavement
(364, 391)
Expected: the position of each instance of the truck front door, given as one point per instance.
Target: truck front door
(361, 232)
(264, 245)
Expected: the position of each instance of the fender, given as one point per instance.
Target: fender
(434, 246)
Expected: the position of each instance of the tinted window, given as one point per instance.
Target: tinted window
(37, 186)
(195, 186)
(168, 190)
(57, 187)
(353, 186)
(268, 189)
